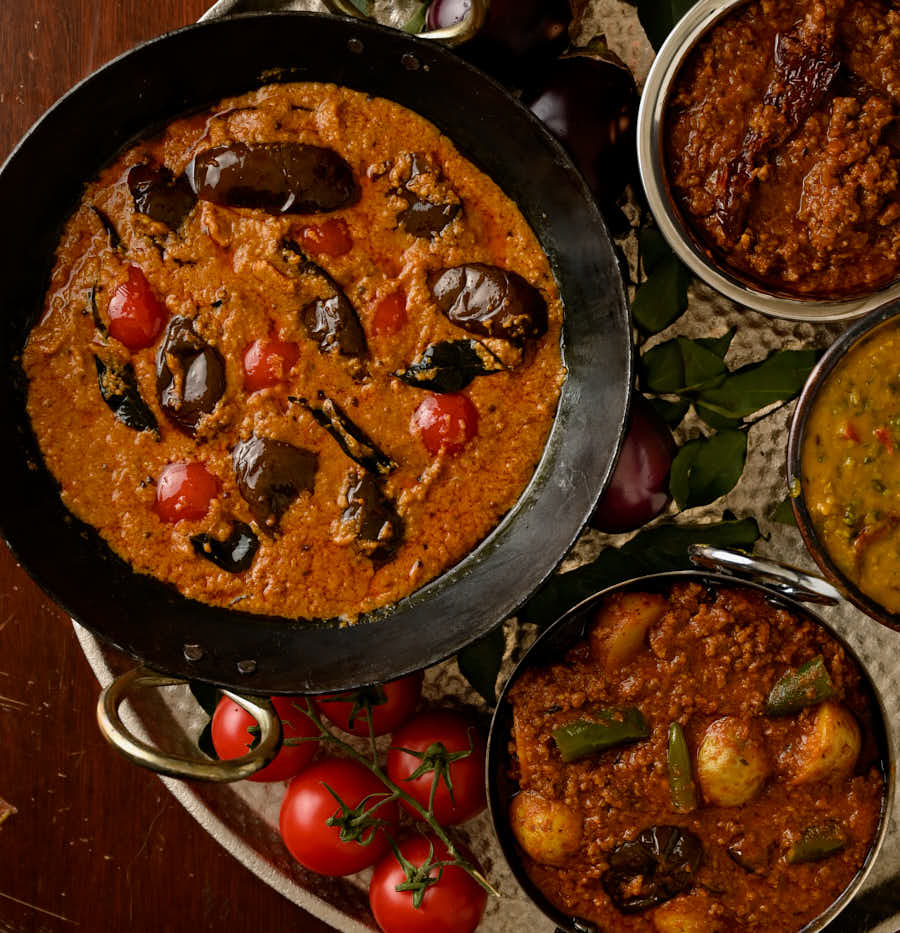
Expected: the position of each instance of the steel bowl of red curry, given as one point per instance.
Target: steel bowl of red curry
(768, 150)
(685, 752)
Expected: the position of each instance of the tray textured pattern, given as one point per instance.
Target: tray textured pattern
(244, 817)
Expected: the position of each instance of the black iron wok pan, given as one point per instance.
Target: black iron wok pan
(40, 184)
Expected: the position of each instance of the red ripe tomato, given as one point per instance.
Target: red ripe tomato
(136, 315)
(391, 704)
(331, 238)
(445, 422)
(390, 314)
(184, 490)
(267, 362)
(231, 736)
(309, 804)
(453, 903)
(447, 744)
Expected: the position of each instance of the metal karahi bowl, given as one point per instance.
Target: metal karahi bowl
(572, 628)
(884, 316)
(693, 26)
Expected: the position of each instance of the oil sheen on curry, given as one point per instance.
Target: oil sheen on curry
(782, 144)
(297, 354)
(701, 762)
(850, 466)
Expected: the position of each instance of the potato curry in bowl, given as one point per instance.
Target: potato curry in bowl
(689, 756)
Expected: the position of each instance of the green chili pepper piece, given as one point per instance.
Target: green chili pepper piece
(681, 778)
(817, 842)
(808, 685)
(606, 728)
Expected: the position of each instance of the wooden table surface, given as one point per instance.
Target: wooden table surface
(96, 843)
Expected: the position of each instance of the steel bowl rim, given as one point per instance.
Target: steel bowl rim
(836, 353)
(669, 59)
(498, 736)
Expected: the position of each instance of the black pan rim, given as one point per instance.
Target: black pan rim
(617, 312)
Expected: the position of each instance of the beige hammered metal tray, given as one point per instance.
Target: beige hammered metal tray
(244, 817)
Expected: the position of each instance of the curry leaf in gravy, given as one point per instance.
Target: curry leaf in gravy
(235, 554)
(119, 389)
(158, 194)
(99, 323)
(661, 863)
(490, 301)
(778, 377)
(707, 467)
(115, 241)
(450, 366)
(279, 178)
(661, 548)
(270, 475)
(351, 438)
(480, 663)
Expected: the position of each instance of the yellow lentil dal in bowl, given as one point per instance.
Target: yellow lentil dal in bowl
(844, 464)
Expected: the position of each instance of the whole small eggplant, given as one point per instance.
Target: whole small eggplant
(270, 475)
(588, 99)
(371, 517)
(659, 864)
(190, 375)
(490, 301)
(421, 217)
(158, 194)
(279, 178)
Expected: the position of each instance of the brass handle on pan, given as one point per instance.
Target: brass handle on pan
(179, 766)
(791, 581)
(456, 34)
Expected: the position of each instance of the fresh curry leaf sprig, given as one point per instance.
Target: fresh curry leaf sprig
(695, 371)
(662, 297)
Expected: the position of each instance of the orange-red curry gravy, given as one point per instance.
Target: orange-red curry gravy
(297, 354)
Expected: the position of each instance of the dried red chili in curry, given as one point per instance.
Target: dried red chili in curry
(702, 761)
(782, 146)
(257, 303)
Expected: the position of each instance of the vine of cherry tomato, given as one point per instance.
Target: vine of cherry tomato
(232, 738)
